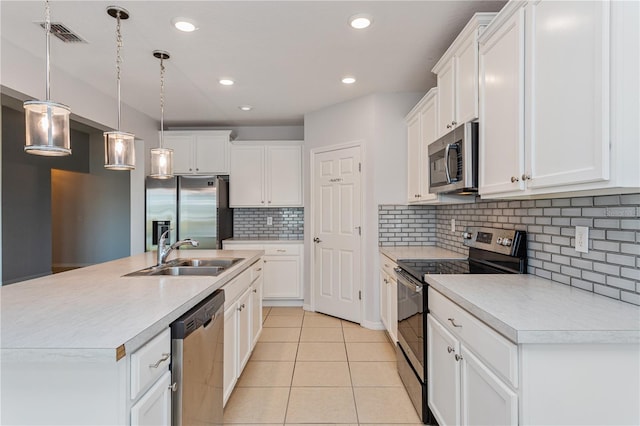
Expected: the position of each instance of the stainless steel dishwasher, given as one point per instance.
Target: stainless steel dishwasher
(197, 346)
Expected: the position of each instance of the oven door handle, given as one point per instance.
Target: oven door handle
(413, 287)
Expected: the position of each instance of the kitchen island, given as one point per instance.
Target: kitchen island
(67, 340)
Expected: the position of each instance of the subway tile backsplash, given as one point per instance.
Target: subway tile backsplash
(611, 267)
(288, 223)
(406, 225)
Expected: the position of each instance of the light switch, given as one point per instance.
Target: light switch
(582, 239)
(453, 225)
(269, 220)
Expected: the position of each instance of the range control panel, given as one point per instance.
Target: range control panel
(506, 241)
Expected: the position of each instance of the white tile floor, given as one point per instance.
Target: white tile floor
(310, 368)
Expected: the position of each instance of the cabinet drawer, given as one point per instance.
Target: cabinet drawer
(242, 246)
(234, 288)
(388, 266)
(499, 353)
(282, 249)
(256, 270)
(150, 362)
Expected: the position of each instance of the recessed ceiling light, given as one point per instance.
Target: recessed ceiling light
(184, 24)
(226, 82)
(360, 21)
(245, 107)
(348, 80)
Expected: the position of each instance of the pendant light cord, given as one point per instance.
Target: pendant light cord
(118, 62)
(161, 101)
(47, 28)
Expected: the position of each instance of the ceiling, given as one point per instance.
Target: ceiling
(286, 57)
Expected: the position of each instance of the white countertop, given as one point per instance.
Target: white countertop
(419, 252)
(97, 308)
(530, 309)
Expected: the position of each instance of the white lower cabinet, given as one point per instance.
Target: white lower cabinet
(281, 270)
(241, 330)
(154, 408)
(389, 297)
(464, 358)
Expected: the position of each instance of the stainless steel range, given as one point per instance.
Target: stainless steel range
(491, 251)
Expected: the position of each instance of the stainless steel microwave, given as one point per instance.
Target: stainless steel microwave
(453, 161)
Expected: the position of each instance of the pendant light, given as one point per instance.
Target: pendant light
(47, 122)
(161, 158)
(119, 147)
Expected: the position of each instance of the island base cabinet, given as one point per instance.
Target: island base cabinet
(580, 384)
(154, 408)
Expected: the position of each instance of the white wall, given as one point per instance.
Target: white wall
(376, 121)
(22, 76)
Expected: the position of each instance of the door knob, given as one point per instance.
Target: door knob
(317, 240)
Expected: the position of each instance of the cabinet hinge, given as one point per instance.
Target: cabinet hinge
(360, 295)
(359, 230)
(360, 167)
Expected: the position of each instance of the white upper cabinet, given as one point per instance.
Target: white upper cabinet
(266, 174)
(558, 93)
(457, 73)
(204, 152)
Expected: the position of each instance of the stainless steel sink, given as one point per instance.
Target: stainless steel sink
(189, 267)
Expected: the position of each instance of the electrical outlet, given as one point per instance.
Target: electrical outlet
(582, 239)
(453, 225)
(269, 220)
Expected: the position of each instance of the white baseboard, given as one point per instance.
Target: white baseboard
(307, 307)
(278, 302)
(373, 325)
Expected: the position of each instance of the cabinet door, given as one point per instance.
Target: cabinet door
(413, 159)
(568, 92)
(392, 300)
(230, 351)
(154, 408)
(246, 181)
(501, 150)
(384, 299)
(245, 339)
(467, 79)
(211, 154)
(429, 124)
(256, 310)
(282, 277)
(182, 146)
(284, 176)
(447, 98)
(443, 372)
(486, 400)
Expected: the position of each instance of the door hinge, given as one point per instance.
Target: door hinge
(360, 295)
(359, 230)
(359, 167)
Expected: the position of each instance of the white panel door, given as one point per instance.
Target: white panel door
(568, 134)
(282, 277)
(384, 299)
(154, 408)
(336, 230)
(284, 176)
(467, 80)
(211, 154)
(256, 309)
(246, 180)
(182, 146)
(230, 374)
(429, 132)
(243, 306)
(486, 400)
(501, 150)
(414, 147)
(444, 374)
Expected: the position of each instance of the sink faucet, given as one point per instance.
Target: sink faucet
(163, 250)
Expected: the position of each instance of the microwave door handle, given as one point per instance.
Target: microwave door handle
(447, 151)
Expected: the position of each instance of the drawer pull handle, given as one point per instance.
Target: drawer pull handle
(160, 361)
(255, 290)
(453, 322)
(281, 250)
(173, 387)
(450, 349)
(259, 269)
(458, 357)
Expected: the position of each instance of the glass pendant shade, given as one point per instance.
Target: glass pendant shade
(119, 151)
(47, 128)
(161, 163)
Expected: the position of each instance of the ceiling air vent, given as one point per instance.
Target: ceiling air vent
(60, 31)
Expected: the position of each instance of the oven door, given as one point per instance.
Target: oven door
(411, 317)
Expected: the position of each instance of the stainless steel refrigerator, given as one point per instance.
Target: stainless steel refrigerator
(192, 206)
